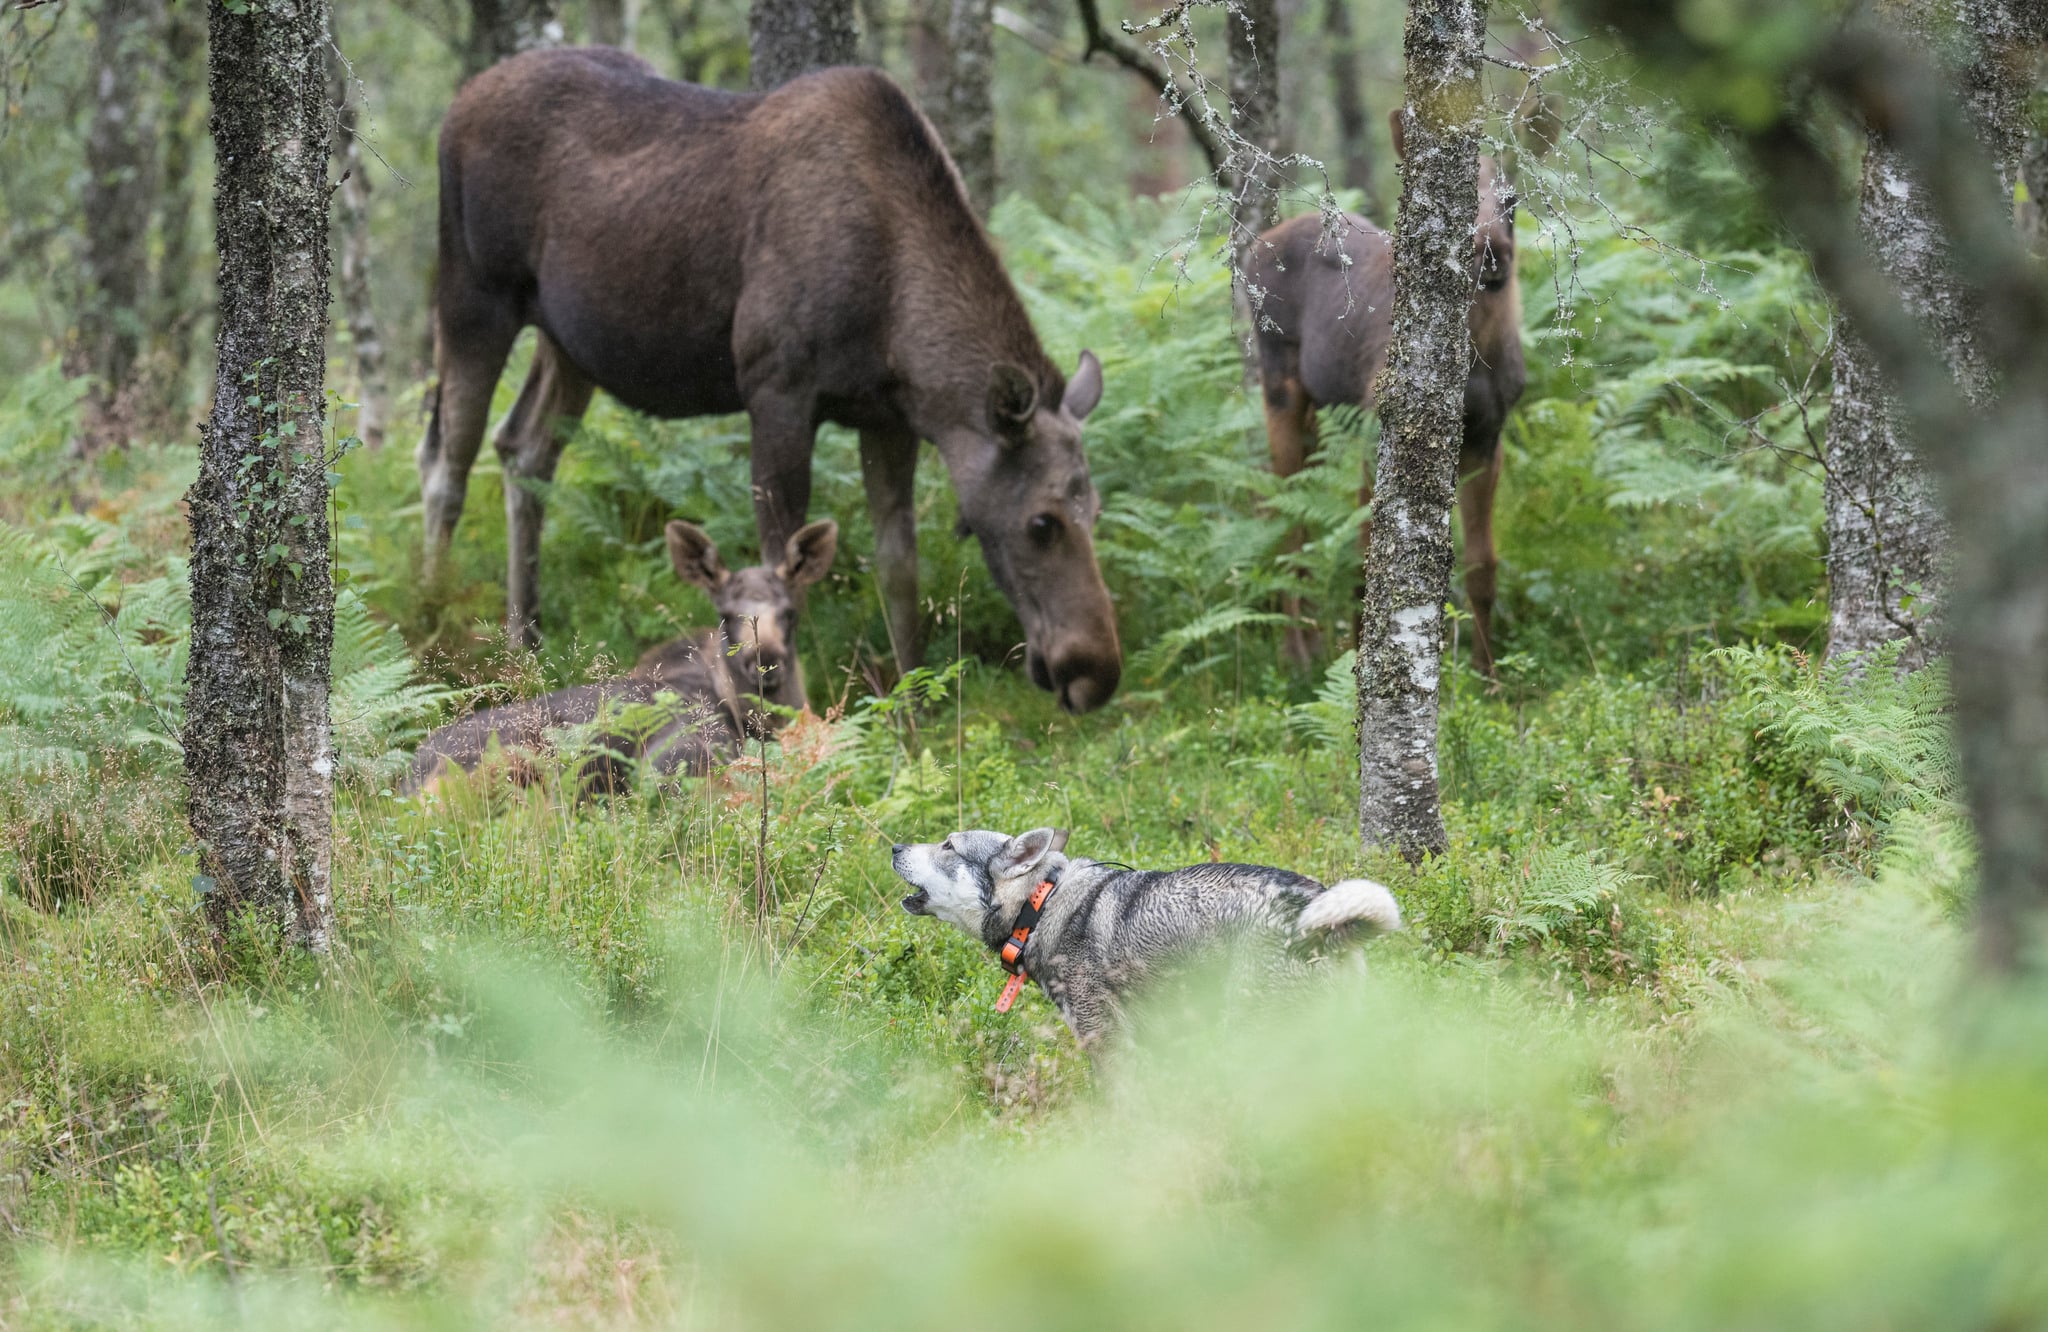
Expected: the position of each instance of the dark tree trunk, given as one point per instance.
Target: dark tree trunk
(786, 38)
(258, 750)
(177, 274)
(1887, 541)
(1353, 166)
(954, 53)
(1422, 423)
(1253, 68)
(352, 234)
(501, 28)
(1991, 466)
(120, 190)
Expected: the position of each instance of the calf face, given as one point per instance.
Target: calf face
(757, 607)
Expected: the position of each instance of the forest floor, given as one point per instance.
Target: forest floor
(1680, 1034)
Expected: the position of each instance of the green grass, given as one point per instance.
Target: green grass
(1680, 1034)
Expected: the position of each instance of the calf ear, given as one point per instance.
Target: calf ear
(1084, 390)
(1026, 854)
(695, 556)
(1394, 124)
(808, 554)
(1012, 396)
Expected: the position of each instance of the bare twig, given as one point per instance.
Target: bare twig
(1132, 57)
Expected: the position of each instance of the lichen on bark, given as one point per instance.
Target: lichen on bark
(1421, 405)
(258, 749)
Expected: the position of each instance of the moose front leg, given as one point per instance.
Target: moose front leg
(1475, 516)
(554, 398)
(888, 465)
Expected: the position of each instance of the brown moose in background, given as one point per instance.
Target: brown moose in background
(701, 695)
(805, 255)
(1324, 323)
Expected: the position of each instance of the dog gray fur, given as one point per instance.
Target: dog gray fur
(1106, 930)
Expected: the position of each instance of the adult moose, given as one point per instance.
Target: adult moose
(805, 255)
(1324, 326)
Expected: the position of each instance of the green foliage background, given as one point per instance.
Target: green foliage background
(1676, 1037)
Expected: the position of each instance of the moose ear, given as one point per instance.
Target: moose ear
(695, 556)
(1084, 390)
(1012, 396)
(807, 555)
(1394, 123)
(1026, 854)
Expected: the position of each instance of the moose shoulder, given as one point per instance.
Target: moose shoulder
(805, 255)
(1325, 321)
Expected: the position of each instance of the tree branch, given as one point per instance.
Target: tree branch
(1132, 57)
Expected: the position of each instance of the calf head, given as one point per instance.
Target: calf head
(757, 606)
(1030, 502)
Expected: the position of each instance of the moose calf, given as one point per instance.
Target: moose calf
(707, 688)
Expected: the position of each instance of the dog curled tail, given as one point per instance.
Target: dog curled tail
(1342, 908)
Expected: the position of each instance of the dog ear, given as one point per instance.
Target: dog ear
(1059, 839)
(1026, 853)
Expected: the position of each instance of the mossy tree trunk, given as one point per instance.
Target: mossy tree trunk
(786, 38)
(258, 748)
(1887, 539)
(1422, 413)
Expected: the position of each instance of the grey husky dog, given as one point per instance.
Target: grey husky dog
(1100, 931)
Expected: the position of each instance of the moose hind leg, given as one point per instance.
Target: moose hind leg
(470, 352)
(1291, 439)
(553, 400)
(888, 464)
(1475, 516)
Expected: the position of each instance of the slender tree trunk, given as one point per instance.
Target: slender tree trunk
(1422, 416)
(258, 750)
(1887, 542)
(120, 188)
(352, 231)
(786, 38)
(613, 22)
(964, 107)
(177, 275)
(1253, 69)
(502, 28)
(1347, 95)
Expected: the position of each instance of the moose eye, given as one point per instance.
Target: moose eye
(1044, 528)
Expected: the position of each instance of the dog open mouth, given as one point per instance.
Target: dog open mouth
(915, 903)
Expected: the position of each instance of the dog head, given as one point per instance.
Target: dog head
(970, 874)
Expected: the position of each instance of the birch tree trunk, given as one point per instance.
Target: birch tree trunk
(258, 750)
(120, 186)
(1887, 541)
(352, 232)
(1422, 413)
(786, 38)
(502, 28)
(177, 287)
